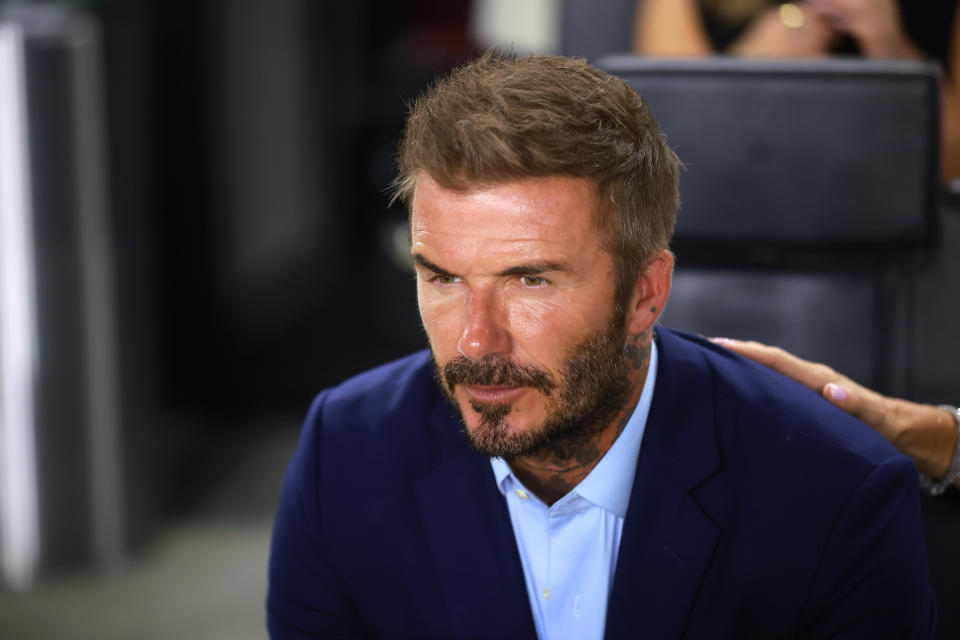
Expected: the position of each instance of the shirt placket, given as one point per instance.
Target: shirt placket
(535, 514)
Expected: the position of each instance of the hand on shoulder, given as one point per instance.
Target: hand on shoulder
(926, 433)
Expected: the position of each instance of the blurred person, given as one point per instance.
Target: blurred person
(929, 435)
(555, 465)
(815, 28)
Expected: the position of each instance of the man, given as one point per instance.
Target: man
(631, 481)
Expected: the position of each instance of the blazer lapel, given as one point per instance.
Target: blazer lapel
(668, 537)
(475, 555)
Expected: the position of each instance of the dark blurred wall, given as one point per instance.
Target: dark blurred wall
(252, 144)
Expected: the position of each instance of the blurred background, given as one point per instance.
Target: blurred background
(195, 238)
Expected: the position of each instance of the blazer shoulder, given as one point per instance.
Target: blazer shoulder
(764, 405)
(384, 386)
(385, 414)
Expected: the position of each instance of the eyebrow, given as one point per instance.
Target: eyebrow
(419, 260)
(528, 269)
(533, 268)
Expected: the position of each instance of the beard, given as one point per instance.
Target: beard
(593, 386)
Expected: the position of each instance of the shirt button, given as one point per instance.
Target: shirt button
(521, 493)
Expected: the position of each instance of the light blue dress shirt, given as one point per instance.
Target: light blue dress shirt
(569, 549)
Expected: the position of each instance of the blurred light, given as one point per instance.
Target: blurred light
(791, 15)
(530, 26)
(19, 543)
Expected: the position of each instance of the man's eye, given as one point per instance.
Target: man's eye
(533, 281)
(444, 279)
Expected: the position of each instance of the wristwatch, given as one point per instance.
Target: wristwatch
(936, 487)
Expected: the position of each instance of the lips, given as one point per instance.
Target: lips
(489, 393)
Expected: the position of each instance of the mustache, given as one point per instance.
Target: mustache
(496, 371)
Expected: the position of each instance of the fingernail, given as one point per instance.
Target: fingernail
(721, 340)
(836, 392)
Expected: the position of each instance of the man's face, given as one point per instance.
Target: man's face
(517, 298)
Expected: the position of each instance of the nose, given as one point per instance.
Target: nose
(487, 329)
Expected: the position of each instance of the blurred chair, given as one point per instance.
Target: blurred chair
(809, 197)
(811, 220)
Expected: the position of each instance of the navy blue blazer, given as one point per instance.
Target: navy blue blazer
(758, 511)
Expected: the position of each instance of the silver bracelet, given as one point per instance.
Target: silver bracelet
(936, 487)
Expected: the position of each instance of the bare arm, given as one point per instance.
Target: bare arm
(925, 433)
(951, 106)
(674, 28)
(670, 28)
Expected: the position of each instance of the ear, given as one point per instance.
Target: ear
(650, 292)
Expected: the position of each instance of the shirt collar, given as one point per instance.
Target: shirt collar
(501, 471)
(610, 483)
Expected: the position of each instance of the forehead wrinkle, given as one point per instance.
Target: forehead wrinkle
(552, 245)
(500, 243)
(522, 227)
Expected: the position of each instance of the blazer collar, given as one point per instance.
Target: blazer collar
(668, 537)
(471, 540)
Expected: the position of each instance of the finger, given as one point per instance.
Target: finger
(811, 374)
(860, 402)
(845, 397)
(840, 395)
(757, 351)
